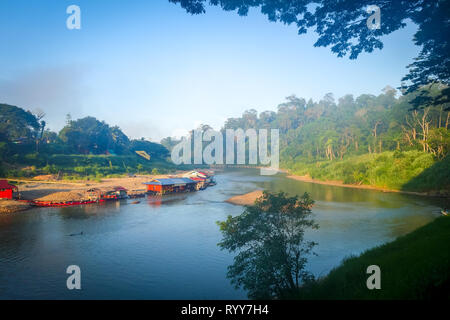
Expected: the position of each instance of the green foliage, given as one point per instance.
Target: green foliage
(151, 148)
(415, 266)
(83, 148)
(16, 123)
(347, 140)
(90, 166)
(269, 239)
(398, 170)
(88, 135)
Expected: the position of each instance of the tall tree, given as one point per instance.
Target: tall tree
(269, 237)
(16, 123)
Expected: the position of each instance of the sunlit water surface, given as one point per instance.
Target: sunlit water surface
(167, 248)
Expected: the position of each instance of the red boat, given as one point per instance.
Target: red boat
(63, 204)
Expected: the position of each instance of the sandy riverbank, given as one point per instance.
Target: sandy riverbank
(11, 206)
(249, 198)
(67, 191)
(307, 178)
(245, 199)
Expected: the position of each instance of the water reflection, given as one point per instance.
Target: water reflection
(90, 210)
(166, 248)
(157, 201)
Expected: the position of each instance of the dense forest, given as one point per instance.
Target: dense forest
(382, 140)
(84, 148)
(385, 141)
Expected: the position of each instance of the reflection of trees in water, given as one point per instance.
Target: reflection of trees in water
(158, 200)
(90, 210)
(269, 239)
(338, 194)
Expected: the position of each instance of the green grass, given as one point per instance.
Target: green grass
(415, 266)
(408, 170)
(92, 167)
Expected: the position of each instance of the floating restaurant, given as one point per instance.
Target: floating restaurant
(203, 178)
(171, 185)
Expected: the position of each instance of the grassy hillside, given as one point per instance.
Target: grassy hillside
(415, 266)
(408, 170)
(84, 166)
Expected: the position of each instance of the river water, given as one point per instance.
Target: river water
(166, 248)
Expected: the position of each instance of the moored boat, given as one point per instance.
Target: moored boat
(62, 203)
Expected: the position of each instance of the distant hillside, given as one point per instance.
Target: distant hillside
(84, 147)
(383, 140)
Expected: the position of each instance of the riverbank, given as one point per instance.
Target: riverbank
(409, 172)
(247, 199)
(43, 190)
(307, 178)
(13, 206)
(63, 191)
(414, 266)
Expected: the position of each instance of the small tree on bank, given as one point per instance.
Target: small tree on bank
(269, 237)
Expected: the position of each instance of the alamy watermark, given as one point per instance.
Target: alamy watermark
(374, 21)
(374, 281)
(74, 280)
(191, 150)
(74, 20)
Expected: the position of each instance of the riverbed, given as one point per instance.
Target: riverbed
(166, 248)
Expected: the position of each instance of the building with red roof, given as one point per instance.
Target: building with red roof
(7, 190)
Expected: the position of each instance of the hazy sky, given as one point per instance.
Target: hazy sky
(156, 71)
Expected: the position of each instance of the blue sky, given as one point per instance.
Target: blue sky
(156, 71)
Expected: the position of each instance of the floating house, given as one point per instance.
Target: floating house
(7, 190)
(170, 185)
(94, 194)
(115, 194)
(201, 183)
(206, 178)
(196, 174)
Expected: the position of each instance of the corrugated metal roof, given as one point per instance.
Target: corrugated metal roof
(170, 181)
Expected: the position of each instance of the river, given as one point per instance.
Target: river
(166, 248)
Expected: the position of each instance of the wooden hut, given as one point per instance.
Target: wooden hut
(94, 194)
(116, 193)
(121, 192)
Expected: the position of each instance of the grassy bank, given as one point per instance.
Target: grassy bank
(408, 171)
(92, 167)
(415, 266)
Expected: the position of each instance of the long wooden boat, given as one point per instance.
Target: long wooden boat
(63, 203)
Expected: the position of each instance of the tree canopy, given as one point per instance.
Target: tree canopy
(272, 249)
(16, 123)
(329, 129)
(88, 135)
